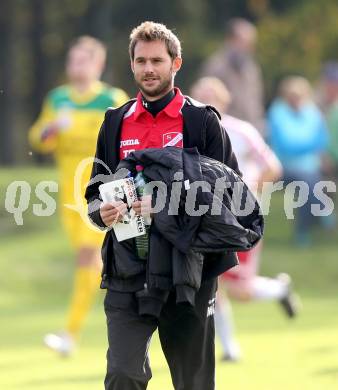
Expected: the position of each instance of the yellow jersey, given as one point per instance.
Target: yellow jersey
(78, 118)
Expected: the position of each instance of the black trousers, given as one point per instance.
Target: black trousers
(187, 338)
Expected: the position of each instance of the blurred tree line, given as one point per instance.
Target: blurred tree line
(294, 36)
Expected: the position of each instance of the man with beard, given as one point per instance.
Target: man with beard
(160, 116)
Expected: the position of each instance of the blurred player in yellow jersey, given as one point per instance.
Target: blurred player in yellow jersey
(68, 127)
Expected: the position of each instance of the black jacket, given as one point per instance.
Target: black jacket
(182, 233)
(202, 129)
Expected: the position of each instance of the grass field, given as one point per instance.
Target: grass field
(35, 280)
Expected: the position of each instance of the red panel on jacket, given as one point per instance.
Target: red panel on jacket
(140, 130)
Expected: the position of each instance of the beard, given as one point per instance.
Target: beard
(162, 88)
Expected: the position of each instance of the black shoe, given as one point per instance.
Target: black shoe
(291, 302)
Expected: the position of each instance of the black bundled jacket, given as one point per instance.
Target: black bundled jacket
(182, 233)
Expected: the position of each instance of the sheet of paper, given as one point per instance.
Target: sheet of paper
(132, 225)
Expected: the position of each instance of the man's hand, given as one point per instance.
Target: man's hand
(112, 213)
(62, 123)
(143, 207)
(49, 132)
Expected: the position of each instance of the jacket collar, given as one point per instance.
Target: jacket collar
(173, 109)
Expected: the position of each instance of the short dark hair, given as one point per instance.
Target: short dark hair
(151, 31)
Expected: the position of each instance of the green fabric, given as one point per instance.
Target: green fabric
(60, 98)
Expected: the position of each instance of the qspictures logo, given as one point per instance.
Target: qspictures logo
(295, 195)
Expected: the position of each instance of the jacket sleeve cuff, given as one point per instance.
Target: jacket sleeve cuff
(94, 214)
